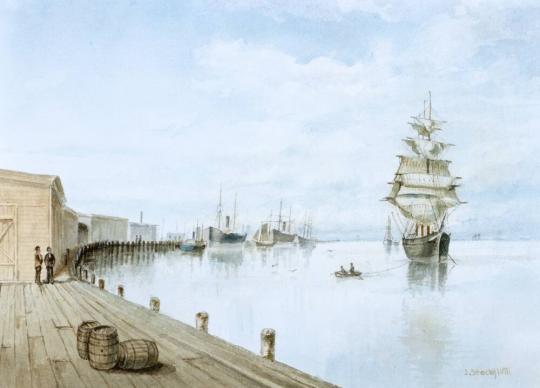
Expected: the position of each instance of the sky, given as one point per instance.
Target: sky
(153, 105)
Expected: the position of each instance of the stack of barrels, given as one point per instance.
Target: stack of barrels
(99, 344)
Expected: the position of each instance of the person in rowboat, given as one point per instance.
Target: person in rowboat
(342, 270)
(352, 271)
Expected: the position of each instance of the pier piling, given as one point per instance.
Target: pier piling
(154, 304)
(268, 344)
(201, 321)
(101, 284)
(120, 290)
(93, 278)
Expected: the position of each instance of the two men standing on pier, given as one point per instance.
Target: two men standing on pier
(50, 260)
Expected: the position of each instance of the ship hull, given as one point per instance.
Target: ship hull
(281, 237)
(306, 242)
(264, 244)
(428, 249)
(191, 246)
(217, 236)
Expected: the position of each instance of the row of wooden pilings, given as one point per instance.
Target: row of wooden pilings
(112, 247)
(120, 246)
(268, 336)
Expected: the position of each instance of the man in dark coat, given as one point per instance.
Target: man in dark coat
(49, 263)
(38, 260)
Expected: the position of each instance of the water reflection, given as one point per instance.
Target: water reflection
(233, 255)
(427, 338)
(426, 333)
(410, 325)
(432, 275)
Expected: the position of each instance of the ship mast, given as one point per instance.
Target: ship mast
(304, 229)
(289, 224)
(234, 212)
(279, 217)
(219, 210)
(310, 226)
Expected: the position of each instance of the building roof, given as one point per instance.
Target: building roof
(89, 216)
(70, 210)
(108, 217)
(52, 181)
(143, 225)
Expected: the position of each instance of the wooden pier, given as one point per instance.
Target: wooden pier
(38, 327)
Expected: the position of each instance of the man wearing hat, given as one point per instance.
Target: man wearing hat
(38, 260)
(49, 263)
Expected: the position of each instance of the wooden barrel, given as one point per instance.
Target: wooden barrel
(83, 332)
(103, 347)
(137, 354)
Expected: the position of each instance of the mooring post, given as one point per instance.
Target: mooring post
(101, 284)
(120, 291)
(93, 278)
(201, 321)
(154, 304)
(86, 274)
(268, 344)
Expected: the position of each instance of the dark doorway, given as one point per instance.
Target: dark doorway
(82, 234)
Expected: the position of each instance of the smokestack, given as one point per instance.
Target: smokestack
(141, 218)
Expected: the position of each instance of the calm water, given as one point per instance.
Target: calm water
(403, 325)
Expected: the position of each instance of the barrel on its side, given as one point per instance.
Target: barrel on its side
(83, 333)
(137, 354)
(103, 347)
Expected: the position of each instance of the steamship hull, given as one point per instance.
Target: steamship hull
(192, 246)
(281, 237)
(217, 236)
(432, 248)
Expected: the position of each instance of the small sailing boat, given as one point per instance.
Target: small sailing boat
(264, 235)
(388, 239)
(227, 234)
(424, 191)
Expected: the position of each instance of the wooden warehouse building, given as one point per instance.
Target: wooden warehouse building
(97, 227)
(31, 213)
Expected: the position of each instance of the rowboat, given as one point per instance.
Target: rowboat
(355, 274)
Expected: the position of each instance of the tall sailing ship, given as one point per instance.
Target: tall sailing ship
(424, 191)
(225, 234)
(388, 238)
(306, 239)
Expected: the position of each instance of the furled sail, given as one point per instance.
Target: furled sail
(427, 148)
(425, 126)
(423, 205)
(426, 180)
(421, 129)
(419, 165)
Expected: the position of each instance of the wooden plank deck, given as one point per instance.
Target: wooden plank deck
(38, 344)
